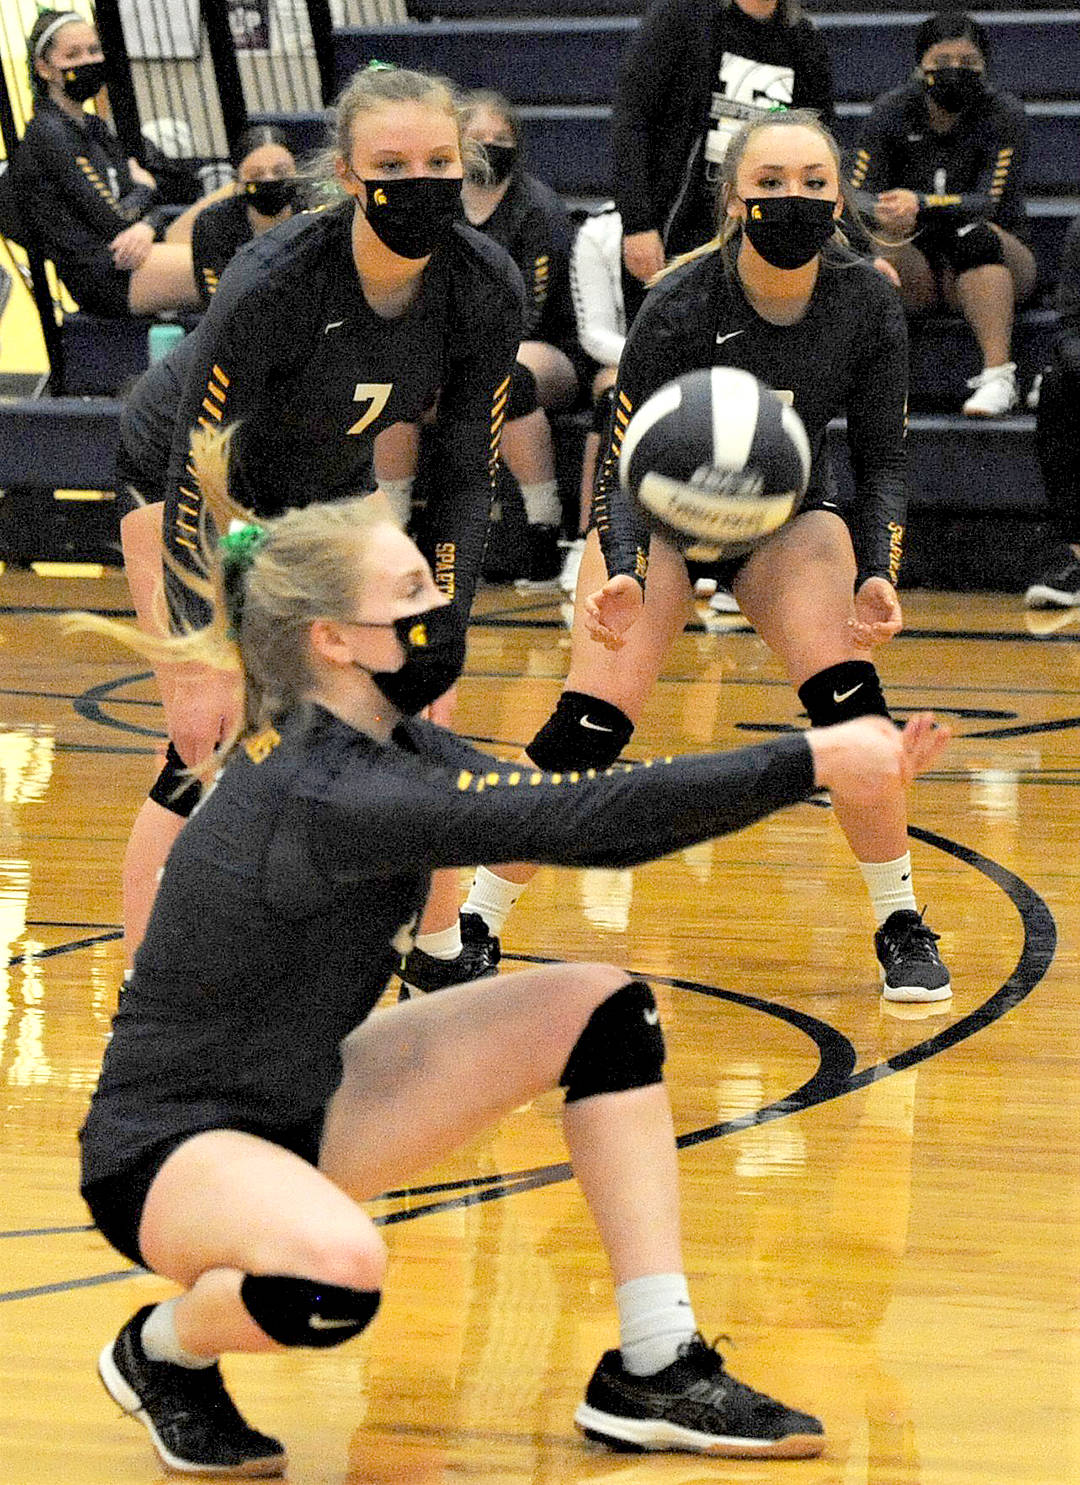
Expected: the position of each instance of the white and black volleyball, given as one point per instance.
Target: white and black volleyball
(717, 461)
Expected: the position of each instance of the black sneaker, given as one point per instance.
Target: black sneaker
(692, 1405)
(480, 952)
(1058, 589)
(545, 557)
(911, 967)
(192, 1420)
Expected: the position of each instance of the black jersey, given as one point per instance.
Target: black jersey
(74, 189)
(531, 223)
(691, 70)
(974, 172)
(846, 356)
(291, 351)
(291, 893)
(218, 234)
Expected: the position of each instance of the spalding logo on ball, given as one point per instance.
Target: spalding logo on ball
(716, 461)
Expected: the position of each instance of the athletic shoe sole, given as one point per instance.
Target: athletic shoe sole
(654, 1434)
(1039, 595)
(126, 1398)
(913, 993)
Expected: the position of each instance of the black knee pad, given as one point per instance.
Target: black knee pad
(174, 788)
(621, 1047)
(582, 732)
(302, 1312)
(973, 245)
(601, 413)
(840, 692)
(523, 395)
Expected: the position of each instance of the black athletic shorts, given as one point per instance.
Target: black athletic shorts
(174, 788)
(116, 1202)
(98, 286)
(825, 497)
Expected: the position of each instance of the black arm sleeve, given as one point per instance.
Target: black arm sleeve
(74, 183)
(877, 423)
(627, 815)
(814, 77)
(468, 429)
(871, 173)
(649, 70)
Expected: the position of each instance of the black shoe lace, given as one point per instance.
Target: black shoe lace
(914, 938)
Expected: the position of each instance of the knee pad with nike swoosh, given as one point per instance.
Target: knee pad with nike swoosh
(621, 1046)
(582, 732)
(840, 692)
(303, 1312)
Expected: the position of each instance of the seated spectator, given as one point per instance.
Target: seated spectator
(940, 171)
(97, 213)
(692, 74)
(528, 219)
(606, 297)
(267, 191)
(1058, 438)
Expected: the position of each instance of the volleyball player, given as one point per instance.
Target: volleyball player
(769, 295)
(940, 169)
(95, 211)
(328, 333)
(247, 1104)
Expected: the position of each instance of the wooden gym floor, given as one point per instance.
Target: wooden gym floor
(881, 1203)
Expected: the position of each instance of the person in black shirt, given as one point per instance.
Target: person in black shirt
(1058, 438)
(267, 191)
(247, 1102)
(94, 211)
(830, 334)
(940, 170)
(691, 75)
(326, 333)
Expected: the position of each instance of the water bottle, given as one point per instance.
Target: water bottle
(161, 340)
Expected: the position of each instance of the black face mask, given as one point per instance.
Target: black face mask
(84, 81)
(789, 230)
(413, 217)
(434, 645)
(954, 88)
(271, 196)
(501, 160)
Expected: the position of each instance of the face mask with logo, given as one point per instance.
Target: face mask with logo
(788, 231)
(434, 645)
(954, 88)
(84, 81)
(271, 196)
(413, 216)
(501, 160)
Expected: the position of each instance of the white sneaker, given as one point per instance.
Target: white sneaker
(723, 602)
(995, 392)
(571, 563)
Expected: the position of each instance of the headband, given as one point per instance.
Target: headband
(51, 30)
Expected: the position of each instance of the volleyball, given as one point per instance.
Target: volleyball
(716, 461)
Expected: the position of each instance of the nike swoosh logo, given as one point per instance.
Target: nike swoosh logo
(320, 1322)
(963, 231)
(652, 1017)
(333, 325)
(594, 726)
(906, 877)
(839, 696)
(730, 336)
(831, 505)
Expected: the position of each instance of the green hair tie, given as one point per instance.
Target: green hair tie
(374, 65)
(238, 549)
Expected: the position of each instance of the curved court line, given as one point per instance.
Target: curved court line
(834, 1077)
(88, 705)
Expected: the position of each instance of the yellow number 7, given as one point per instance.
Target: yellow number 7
(377, 394)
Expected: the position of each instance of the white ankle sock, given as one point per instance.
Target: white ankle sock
(541, 501)
(446, 944)
(889, 885)
(655, 1319)
(492, 896)
(160, 1342)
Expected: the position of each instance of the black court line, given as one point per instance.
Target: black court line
(45, 608)
(64, 1285)
(47, 1231)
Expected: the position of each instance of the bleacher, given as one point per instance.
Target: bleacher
(557, 59)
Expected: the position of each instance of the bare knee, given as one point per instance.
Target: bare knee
(353, 1257)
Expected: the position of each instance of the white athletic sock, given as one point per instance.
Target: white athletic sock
(542, 505)
(443, 945)
(399, 498)
(655, 1319)
(889, 885)
(492, 897)
(160, 1342)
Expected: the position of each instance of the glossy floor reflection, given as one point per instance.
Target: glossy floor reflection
(882, 1205)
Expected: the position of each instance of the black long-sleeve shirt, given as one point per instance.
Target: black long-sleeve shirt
(291, 350)
(291, 893)
(689, 71)
(532, 224)
(974, 172)
(847, 355)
